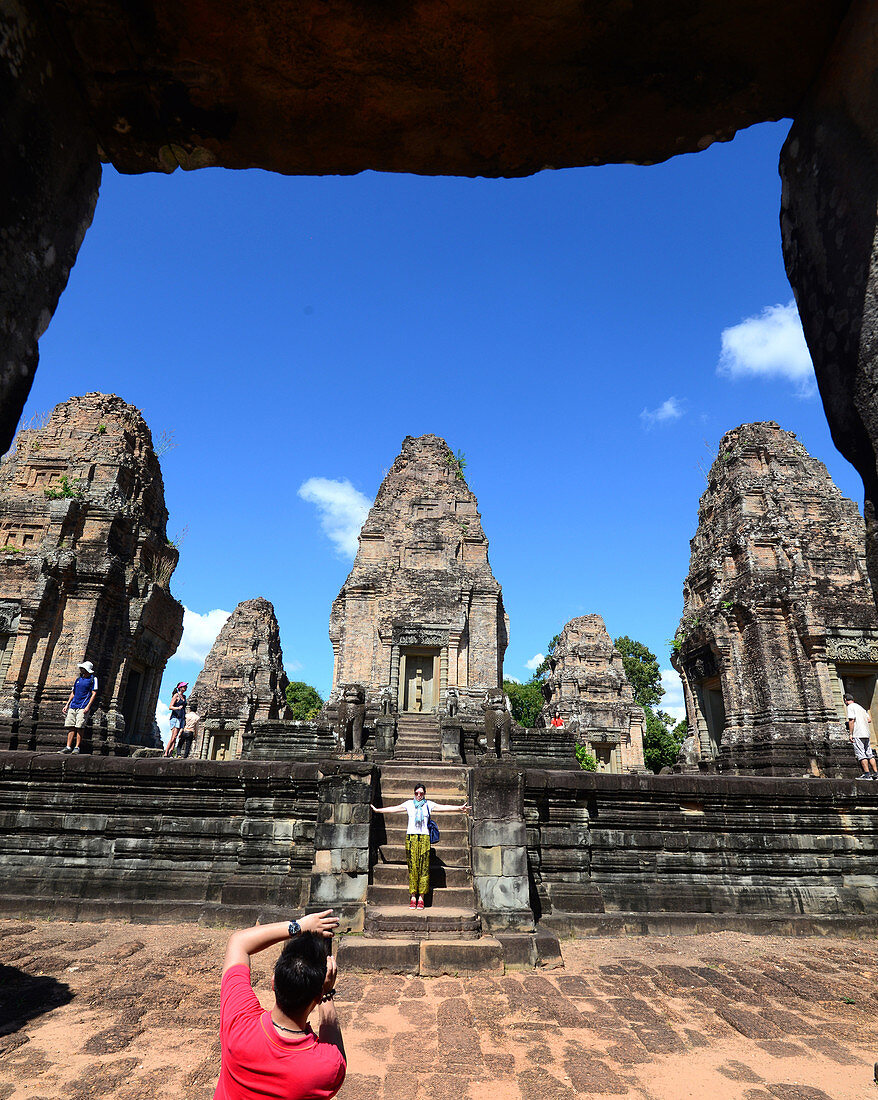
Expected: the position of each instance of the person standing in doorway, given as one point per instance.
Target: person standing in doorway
(79, 704)
(859, 728)
(178, 715)
(417, 839)
(191, 729)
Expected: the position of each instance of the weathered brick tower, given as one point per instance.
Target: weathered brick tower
(86, 565)
(421, 612)
(589, 690)
(779, 618)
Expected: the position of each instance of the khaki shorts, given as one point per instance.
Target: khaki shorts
(75, 718)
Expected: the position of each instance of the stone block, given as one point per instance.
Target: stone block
(497, 794)
(461, 956)
(514, 862)
(519, 949)
(337, 889)
(488, 834)
(349, 860)
(548, 949)
(323, 861)
(488, 861)
(358, 953)
(329, 835)
(496, 893)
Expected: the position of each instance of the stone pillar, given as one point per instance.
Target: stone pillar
(443, 676)
(340, 874)
(829, 169)
(51, 173)
(394, 674)
(499, 848)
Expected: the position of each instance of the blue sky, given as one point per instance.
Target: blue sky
(578, 335)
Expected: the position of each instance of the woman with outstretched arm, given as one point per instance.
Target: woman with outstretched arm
(417, 839)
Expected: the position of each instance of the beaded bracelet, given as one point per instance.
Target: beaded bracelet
(327, 996)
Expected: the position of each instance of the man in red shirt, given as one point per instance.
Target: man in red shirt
(273, 1054)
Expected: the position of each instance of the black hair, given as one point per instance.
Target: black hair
(421, 787)
(848, 696)
(299, 973)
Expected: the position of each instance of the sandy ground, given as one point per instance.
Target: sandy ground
(129, 1012)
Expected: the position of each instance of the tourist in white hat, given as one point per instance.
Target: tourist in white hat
(79, 704)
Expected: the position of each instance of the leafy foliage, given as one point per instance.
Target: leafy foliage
(457, 464)
(642, 670)
(661, 743)
(303, 700)
(65, 490)
(526, 701)
(586, 761)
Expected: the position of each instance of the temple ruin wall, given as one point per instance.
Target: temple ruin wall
(181, 840)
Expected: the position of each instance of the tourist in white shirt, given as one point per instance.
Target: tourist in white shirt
(417, 839)
(859, 727)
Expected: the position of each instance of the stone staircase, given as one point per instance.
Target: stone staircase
(418, 739)
(446, 936)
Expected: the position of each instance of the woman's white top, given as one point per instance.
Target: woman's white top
(418, 816)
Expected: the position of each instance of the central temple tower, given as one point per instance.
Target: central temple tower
(421, 612)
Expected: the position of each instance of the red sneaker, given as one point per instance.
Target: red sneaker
(413, 904)
(420, 903)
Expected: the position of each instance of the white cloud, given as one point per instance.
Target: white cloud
(770, 344)
(512, 679)
(199, 634)
(535, 661)
(292, 666)
(163, 717)
(342, 509)
(672, 701)
(672, 409)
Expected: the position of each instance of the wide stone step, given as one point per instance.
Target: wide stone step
(428, 957)
(442, 898)
(449, 836)
(450, 772)
(395, 853)
(396, 874)
(420, 924)
(394, 791)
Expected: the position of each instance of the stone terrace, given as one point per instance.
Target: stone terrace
(121, 1012)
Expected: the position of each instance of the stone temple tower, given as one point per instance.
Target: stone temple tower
(421, 611)
(779, 618)
(85, 569)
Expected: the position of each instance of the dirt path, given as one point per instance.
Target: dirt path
(129, 1012)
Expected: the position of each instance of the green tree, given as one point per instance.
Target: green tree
(661, 743)
(543, 666)
(526, 700)
(642, 670)
(303, 700)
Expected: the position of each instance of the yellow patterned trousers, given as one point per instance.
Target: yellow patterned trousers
(417, 851)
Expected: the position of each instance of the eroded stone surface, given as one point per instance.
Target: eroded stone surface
(86, 569)
(243, 682)
(51, 171)
(779, 616)
(421, 611)
(829, 168)
(453, 88)
(588, 689)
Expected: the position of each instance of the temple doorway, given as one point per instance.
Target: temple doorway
(713, 708)
(419, 676)
(131, 702)
(861, 680)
